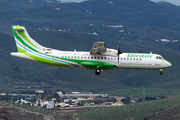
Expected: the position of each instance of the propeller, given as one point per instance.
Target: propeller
(119, 52)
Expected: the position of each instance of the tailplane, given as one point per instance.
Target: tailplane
(23, 41)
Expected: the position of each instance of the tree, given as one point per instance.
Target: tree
(126, 100)
(63, 92)
(39, 104)
(33, 100)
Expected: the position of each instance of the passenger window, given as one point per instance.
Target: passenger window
(49, 49)
(124, 58)
(65, 56)
(157, 57)
(121, 58)
(140, 58)
(104, 57)
(88, 57)
(78, 57)
(111, 58)
(62, 56)
(127, 58)
(74, 57)
(81, 57)
(130, 58)
(94, 57)
(91, 57)
(133, 58)
(98, 57)
(68, 56)
(101, 57)
(114, 58)
(137, 59)
(108, 58)
(84, 57)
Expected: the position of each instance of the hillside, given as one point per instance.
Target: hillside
(9, 111)
(139, 12)
(170, 114)
(42, 15)
(137, 18)
(136, 111)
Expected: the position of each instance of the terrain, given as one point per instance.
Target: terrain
(9, 111)
(164, 109)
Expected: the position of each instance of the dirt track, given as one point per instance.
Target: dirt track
(78, 109)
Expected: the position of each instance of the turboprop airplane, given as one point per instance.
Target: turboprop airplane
(99, 58)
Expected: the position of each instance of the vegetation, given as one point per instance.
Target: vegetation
(19, 111)
(139, 92)
(136, 111)
(171, 113)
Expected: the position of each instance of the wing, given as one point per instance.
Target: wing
(98, 48)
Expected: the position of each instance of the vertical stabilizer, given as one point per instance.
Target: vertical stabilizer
(23, 41)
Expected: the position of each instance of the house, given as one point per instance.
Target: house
(57, 8)
(168, 96)
(41, 96)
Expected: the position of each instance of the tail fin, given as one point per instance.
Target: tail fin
(23, 41)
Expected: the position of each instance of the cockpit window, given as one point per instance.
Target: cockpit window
(159, 57)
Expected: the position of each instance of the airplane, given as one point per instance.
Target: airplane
(99, 58)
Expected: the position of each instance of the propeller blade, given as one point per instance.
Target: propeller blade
(119, 52)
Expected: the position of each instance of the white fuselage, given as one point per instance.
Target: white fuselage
(126, 60)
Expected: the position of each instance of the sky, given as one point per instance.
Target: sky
(175, 2)
(72, 0)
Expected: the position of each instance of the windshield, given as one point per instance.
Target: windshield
(159, 57)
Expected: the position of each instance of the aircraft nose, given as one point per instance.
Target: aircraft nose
(169, 64)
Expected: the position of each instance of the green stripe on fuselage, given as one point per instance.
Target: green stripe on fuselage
(92, 64)
(165, 60)
(43, 60)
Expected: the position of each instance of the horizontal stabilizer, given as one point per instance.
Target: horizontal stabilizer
(19, 28)
(20, 55)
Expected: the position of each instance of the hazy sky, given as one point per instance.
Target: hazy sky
(176, 2)
(72, 0)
